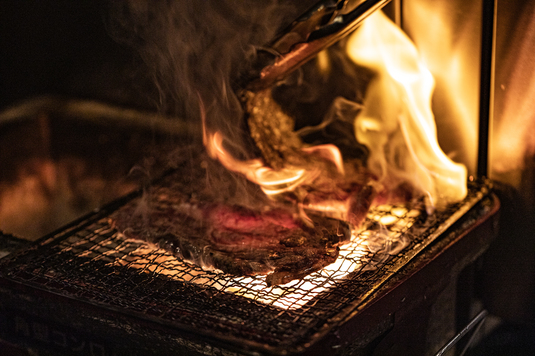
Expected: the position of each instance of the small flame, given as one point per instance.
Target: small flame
(328, 152)
(271, 181)
(396, 123)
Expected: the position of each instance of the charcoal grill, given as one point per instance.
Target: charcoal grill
(83, 289)
(87, 268)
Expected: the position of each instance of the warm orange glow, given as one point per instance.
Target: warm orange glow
(448, 37)
(513, 127)
(396, 123)
(353, 256)
(330, 153)
(48, 194)
(271, 181)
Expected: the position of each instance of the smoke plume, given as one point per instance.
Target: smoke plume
(194, 50)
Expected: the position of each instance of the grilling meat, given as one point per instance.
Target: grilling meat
(337, 188)
(237, 240)
(286, 239)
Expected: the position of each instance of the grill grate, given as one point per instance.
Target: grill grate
(89, 261)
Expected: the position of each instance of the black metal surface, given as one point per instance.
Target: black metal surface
(88, 261)
(10, 243)
(486, 96)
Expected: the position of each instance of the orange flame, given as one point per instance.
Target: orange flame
(396, 123)
(271, 181)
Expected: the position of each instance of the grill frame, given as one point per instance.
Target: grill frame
(16, 270)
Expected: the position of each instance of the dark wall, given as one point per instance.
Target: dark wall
(62, 47)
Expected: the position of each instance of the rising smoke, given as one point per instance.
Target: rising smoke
(195, 50)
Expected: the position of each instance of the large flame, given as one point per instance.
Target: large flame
(396, 123)
(448, 37)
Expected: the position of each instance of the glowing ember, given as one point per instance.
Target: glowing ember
(367, 250)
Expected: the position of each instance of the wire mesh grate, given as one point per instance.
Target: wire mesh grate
(90, 261)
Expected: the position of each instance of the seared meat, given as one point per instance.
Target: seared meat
(286, 239)
(231, 238)
(273, 131)
(335, 188)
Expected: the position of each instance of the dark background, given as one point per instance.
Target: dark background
(63, 47)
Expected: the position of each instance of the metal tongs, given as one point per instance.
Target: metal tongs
(320, 27)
